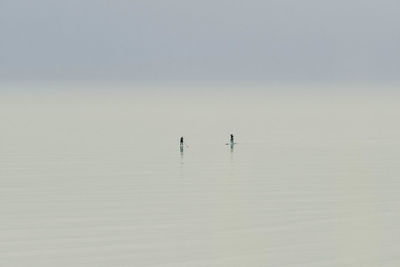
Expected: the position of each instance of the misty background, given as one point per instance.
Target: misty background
(197, 41)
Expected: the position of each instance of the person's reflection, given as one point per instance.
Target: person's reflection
(181, 150)
(181, 165)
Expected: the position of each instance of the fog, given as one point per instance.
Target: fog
(197, 41)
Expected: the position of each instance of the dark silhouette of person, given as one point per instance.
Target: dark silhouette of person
(232, 139)
(181, 142)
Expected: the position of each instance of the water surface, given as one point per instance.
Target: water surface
(97, 179)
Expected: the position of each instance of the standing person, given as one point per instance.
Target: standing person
(181, 142)
(232, 141)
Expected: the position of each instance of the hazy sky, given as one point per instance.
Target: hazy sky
(207, 40)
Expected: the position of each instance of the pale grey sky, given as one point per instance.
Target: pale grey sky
(207, 40)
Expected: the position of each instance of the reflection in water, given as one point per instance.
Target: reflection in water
(181, 153)
(231, 149)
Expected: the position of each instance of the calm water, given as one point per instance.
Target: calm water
(97, 179)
